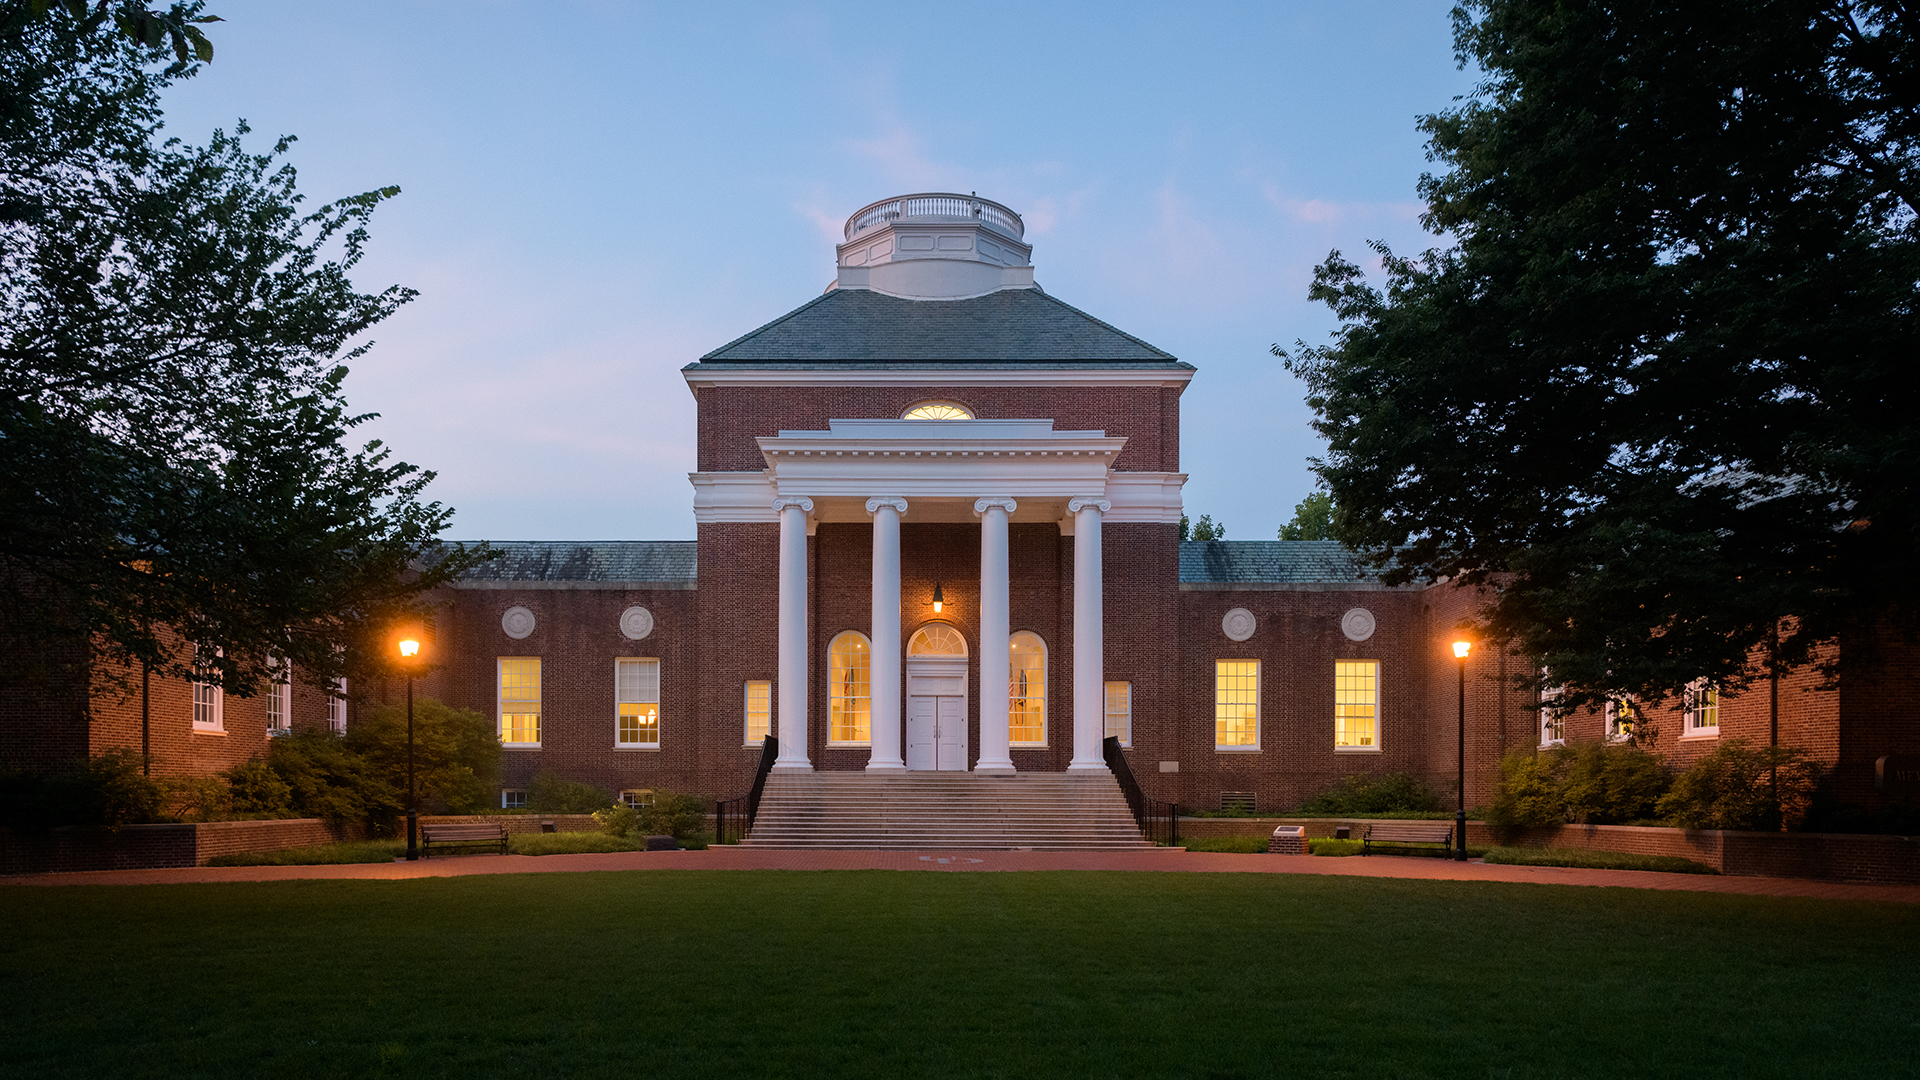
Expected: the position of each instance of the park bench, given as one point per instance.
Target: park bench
(463, 834)
(1403, 834)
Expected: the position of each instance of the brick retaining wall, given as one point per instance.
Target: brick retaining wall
(1885, 860)
(142, 847)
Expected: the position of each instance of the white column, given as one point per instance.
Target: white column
(996, 626)
(885, 730)
(1089, 645)
(793, 512)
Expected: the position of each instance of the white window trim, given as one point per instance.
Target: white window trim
(636, 802)
(1607, 720)
(1126, 736)
(505, 805)
(337, 707)
(217, 706)
(500, 702)
(1259, 704)
(746, 710)
(659, 728)
(1046, 685)
(280, 692)
(832, 643)
(1375, 748)
(1548, 707)
(1690, 706)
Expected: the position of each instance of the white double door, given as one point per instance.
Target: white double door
(937, 715)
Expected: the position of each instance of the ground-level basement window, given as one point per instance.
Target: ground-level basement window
(513, 799)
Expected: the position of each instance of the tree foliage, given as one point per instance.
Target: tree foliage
(1650, 394)
(1204, 529)
(456, 753)
(176, 454)
(1312, 519)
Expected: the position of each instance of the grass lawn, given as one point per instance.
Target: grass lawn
(872, 973)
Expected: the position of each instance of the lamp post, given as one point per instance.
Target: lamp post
(409, 648)
(1460, 650)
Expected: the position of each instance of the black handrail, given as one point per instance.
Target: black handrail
(1158, 821)
(733, 817)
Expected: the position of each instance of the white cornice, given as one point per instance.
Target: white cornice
(748, 496)
(879, 375)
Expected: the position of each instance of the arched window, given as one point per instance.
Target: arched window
(849, 690)
(938, 410)
(1027, 690)
(937, 639)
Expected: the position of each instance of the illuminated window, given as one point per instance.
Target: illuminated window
(337, 708)
(1553, 719)
(1702, 701)
(637, 703)
(279, 698)
(1026, 690)
(208, 707)
(759, 712)
(849, 690)
(937, 639)
(1120, 712)
(636, 798)
(1356, 704)
(1623, 715)
(520, 700)
(1236, 704)
(937, 410)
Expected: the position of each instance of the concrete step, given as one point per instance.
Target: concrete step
(953, 811)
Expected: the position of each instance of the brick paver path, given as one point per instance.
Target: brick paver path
(1166, 860)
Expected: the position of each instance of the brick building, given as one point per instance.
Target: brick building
(938, 531)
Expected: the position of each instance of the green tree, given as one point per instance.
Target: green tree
(176, 454)
(1312, 519)
(456, 753)
(1651, 392)
(1204, 529)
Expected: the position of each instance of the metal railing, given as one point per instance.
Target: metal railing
(733, 817)
(1159, 821)
(936, 207)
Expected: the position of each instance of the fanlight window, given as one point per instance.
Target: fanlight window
(1027, 690)
(937, 639)
(938, 410)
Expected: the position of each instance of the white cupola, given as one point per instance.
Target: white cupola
(935, 247)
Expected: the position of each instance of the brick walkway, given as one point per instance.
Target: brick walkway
(731, 858)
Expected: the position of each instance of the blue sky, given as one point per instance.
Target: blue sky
(594, 194)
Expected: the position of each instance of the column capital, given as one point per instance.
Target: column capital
(988, 502)
(1082, 502)
(874, 504)
(782, 502)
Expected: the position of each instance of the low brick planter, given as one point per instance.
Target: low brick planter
(145, 847)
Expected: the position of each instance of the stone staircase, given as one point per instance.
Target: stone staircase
(951, 811)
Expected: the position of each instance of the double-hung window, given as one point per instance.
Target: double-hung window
(1236, 704)
(1356, 705)
(759, 694)
(1702, 702)
(1553, 719)
(209, 701)
(280, 698)
(1623, 717)
(636, 704)
(337, 708)
(520, 701)
(1120, 712)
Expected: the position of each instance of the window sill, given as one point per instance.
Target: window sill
(637, 746)
(209, 731)
(1701, 733)
(1553, 743)
(1236, 749)
(849, 746)
(1356, 749)
(519, 746)
(1026, 746)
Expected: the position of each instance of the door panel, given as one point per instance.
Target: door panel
(952, 724)
(922, 723)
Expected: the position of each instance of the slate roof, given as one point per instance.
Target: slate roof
(1016, 326)
(1269, 561)
(588, 560)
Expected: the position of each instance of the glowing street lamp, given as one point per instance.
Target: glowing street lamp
(410, 648)
(938, 598)
(1460, 650)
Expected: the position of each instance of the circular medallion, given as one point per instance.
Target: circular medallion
(636, 622)
(516, 622)
(1238, 624)
(1357, 624)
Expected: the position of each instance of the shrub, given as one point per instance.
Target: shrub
(1595, 783)
(1596, 860)
(1240, 844)
(682, 817)
(1330, 846)
(258, 791)
(548, 794)
(351, 851)
(1733, 788)
(1366, 794)
(108, 790)
(456, 753)
(618, 820)
(198, 798)
(568, 843)
(327, 780)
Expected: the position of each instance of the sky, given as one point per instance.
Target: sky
(595, 194)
